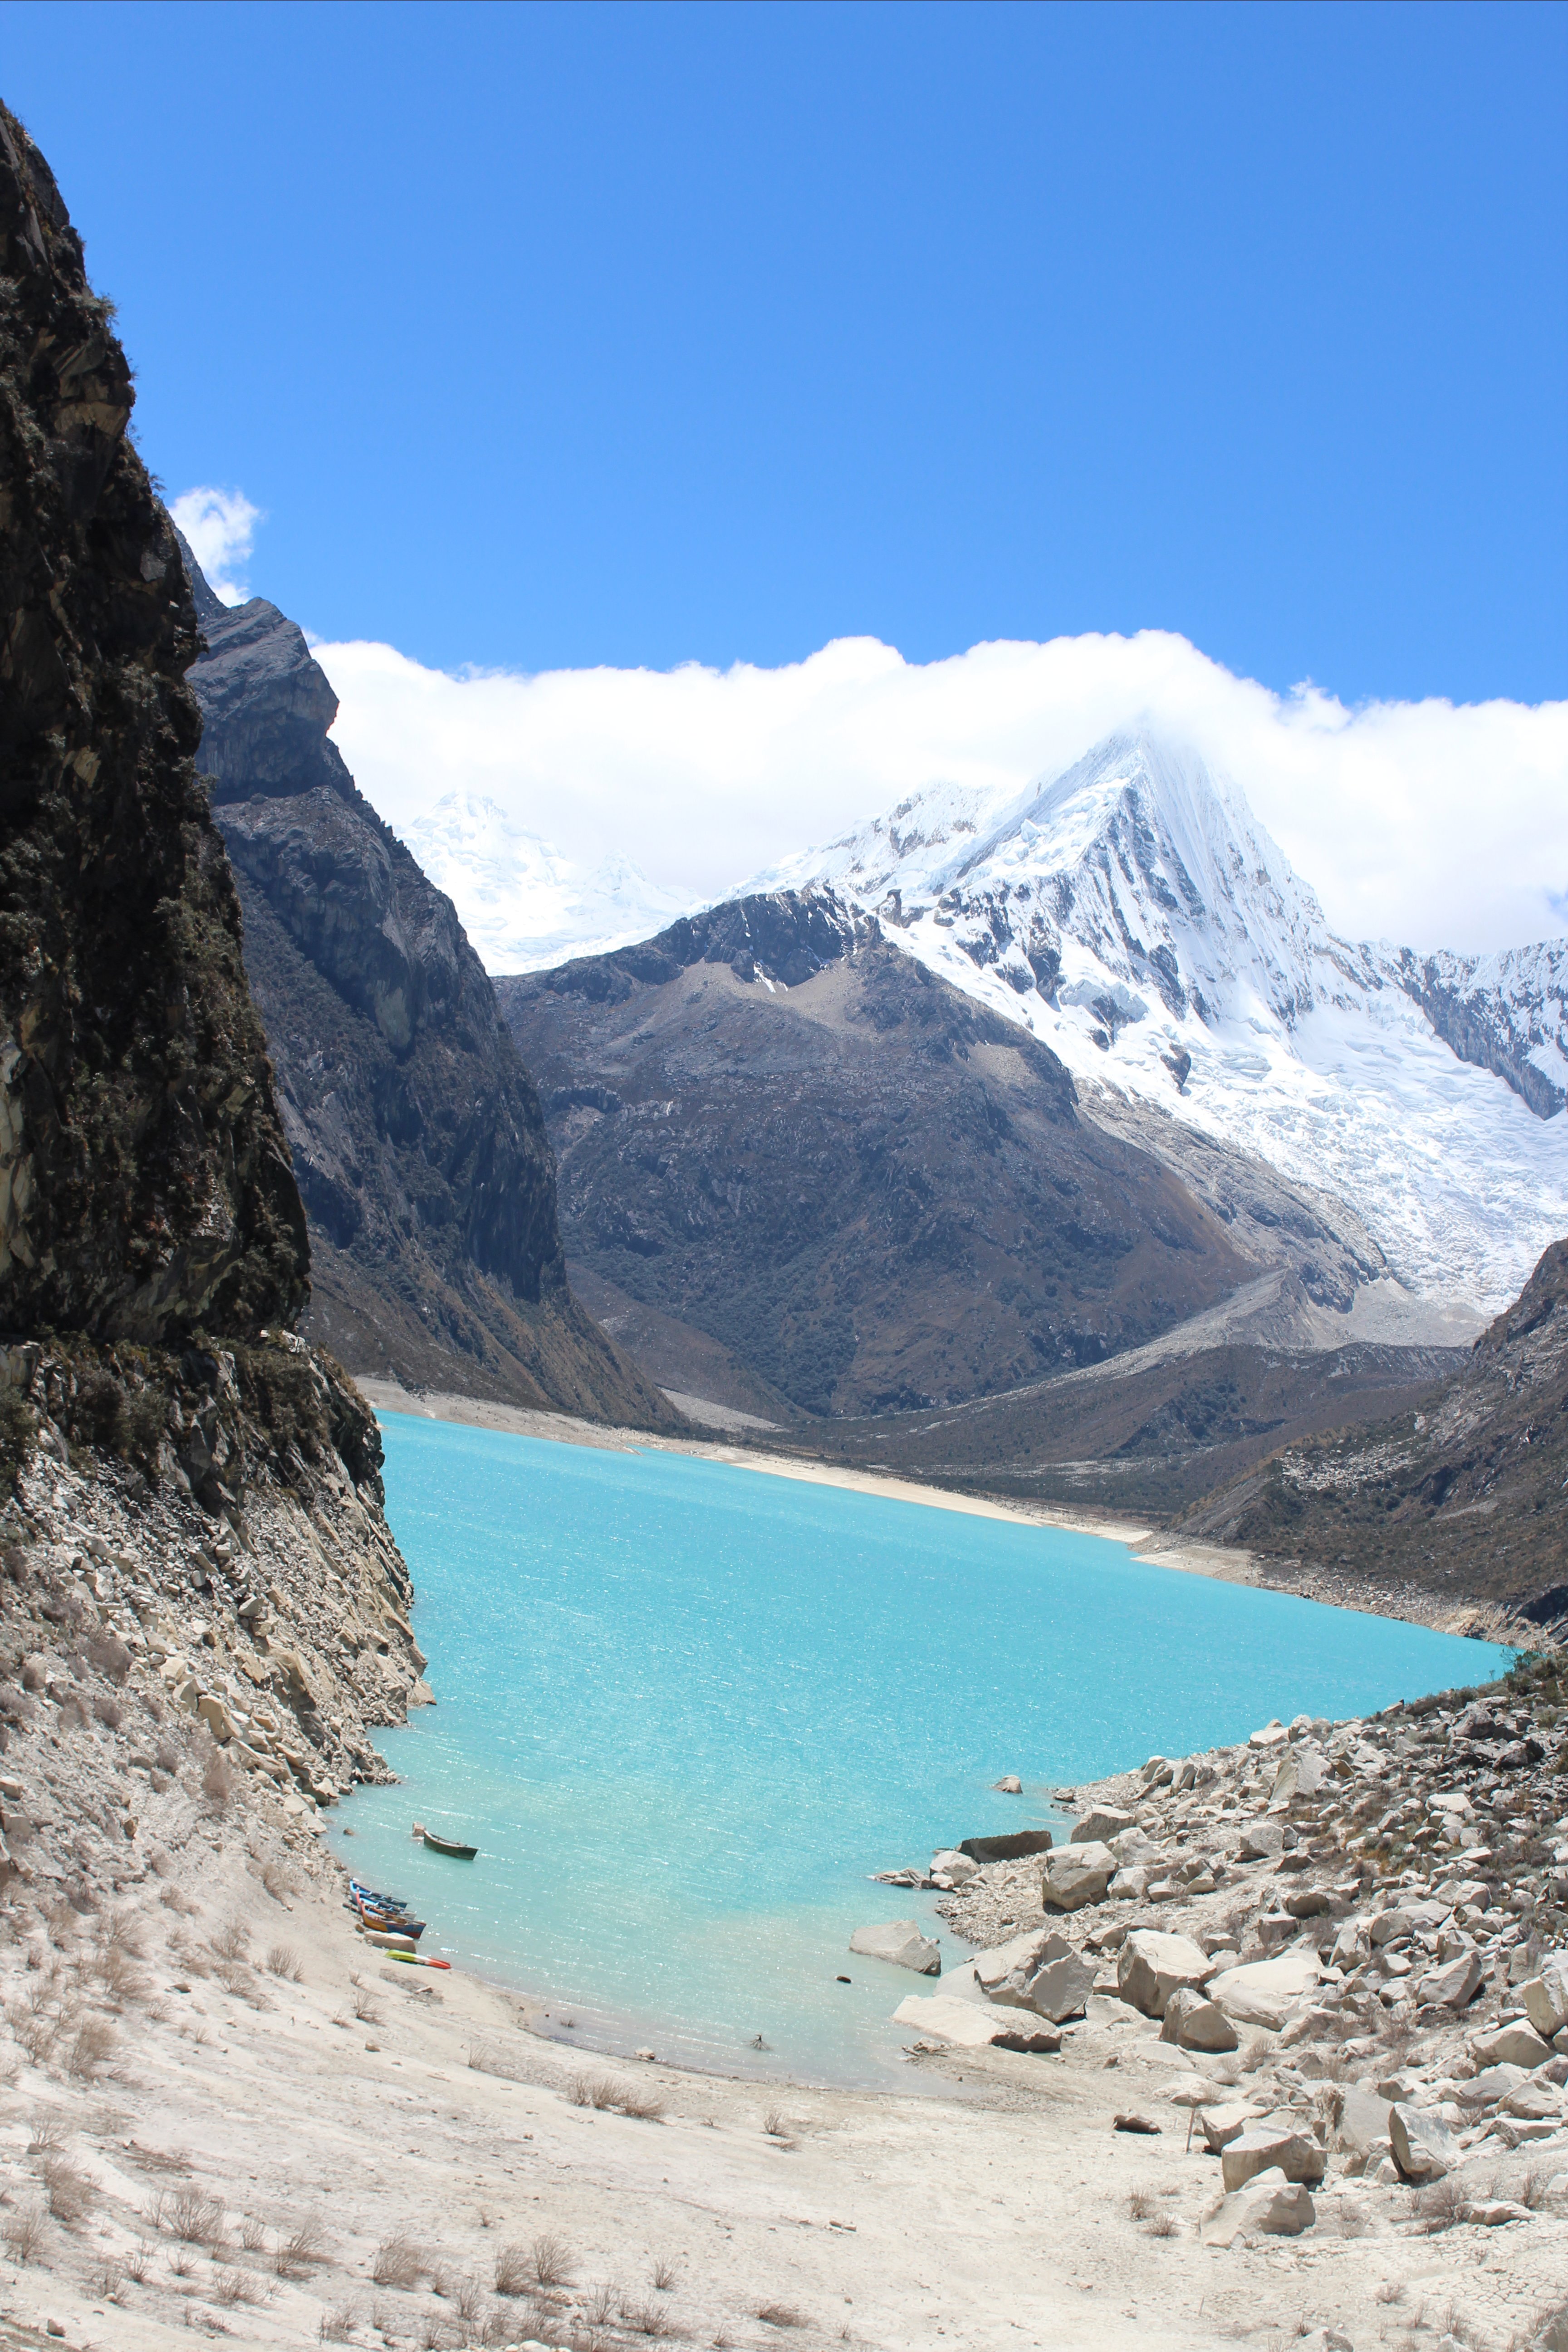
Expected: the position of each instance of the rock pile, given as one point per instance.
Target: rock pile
(1354, 1936)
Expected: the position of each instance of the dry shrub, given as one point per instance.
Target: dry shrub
(305, 2245)
(514, 2271)
(365, 2009)
(253, 2234)
(71, 2194)
(665, 2273)
(191, 2215)
(1161, 2226)
(50, 2134)
(92, 2046)
(604, 2092)
(470, 2297)
(231, 1941)
(648, 2319)
(280, 1882)
(108, 2277)
(1438, 2207)
(168, 1759)
(399, 2262)
(35, 2035)
(158, 2160)
(23, 2232)
(1258, 2051)
(173, 1899)
(110, 1713)
(552, 2260)
(284, 1961)
(120, 1977)
(139, 2260)
(234, 2285)
(1140, 2206)
(218, 1780)
(781, 2314)
(643, 2106)
(338, 2327)
(599, 2306)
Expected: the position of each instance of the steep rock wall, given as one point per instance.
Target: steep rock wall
(416, 1133)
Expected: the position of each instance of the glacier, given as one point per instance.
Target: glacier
(1135, 917)
(524, 907)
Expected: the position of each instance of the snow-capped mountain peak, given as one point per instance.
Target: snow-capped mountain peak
(524, 906)
(1135, 916)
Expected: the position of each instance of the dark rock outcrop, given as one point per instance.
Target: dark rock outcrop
(153, 1242)
(416, 1133)
(144, 1180)
(778, 1130)
(1465, 1495)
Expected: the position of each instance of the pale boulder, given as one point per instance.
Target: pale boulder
(1003, 1970)
(1363, 2119)
(1098, 1827)
(1545, 1997)
(1263, 1842)
(1515, 2044)
(1453, 1985)
(1264, 2146)
(1150, 1965)
(1075, 1875)
(1060, 1988)
(1424, 2147)
(1195, 2023)
(1270, 2205)
(1221, 2125)
(901, 1942)
(1264, 1992)
(976, 2024)
(950, 1868)
(217, 1716)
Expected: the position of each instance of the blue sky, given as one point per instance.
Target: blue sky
(630, 335)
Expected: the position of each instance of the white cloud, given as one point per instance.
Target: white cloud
(221, 528)
(1428, 822)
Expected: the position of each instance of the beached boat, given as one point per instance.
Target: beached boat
(386, 1940)
(393, 1923)
(414, 1960)
(447, 1845)
(377, 1901)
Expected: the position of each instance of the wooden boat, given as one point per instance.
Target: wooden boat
(385, 1941)
(393, 1923)
(377, 1901)
(446, 1845)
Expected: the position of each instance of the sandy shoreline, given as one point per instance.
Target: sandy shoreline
(479, 1412)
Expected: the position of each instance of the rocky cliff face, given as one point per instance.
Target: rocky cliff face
(782, 1137)
(176, 1467)
(1464, 1494)
(416, 1133)
(144, 1179)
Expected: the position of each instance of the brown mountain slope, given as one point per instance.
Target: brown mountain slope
(777, 1130)
(1464, 1493)
(1149, 1432)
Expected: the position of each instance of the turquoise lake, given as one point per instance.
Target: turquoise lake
(685, 1709)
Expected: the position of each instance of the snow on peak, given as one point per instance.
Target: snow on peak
(1134, 915)
(524, 906)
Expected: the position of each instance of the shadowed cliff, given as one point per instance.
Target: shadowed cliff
(144, 1179)
(416, 1133)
